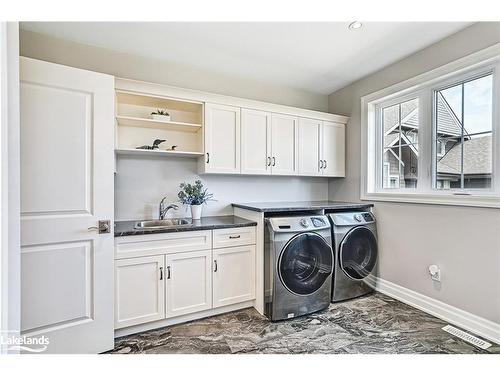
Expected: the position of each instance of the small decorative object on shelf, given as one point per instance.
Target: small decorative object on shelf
(155, 146)
(161, 115)
(173, 148)
(194, 195)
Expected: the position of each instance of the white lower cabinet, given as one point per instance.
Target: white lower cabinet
(189, 282)
(139, 290)
(184, 280)
(234, 275)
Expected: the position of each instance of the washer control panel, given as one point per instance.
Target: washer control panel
(298, 223)
(352, 218)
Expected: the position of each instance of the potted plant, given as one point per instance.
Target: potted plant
(160, 115)
(194, 195)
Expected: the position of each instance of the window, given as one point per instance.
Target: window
(463, 122)
(435, 138)
(400, 144)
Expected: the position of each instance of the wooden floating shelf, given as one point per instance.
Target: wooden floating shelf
(155, 124)
(139, 152)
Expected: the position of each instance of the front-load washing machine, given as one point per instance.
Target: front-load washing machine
(298, 265)
(356, 253)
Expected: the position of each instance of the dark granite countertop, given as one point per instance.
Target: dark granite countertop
(126, 228)
(301, 206)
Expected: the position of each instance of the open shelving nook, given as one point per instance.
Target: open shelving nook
(135, 127)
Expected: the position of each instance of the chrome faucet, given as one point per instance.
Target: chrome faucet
(162, 211)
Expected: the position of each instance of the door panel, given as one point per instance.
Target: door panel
(309, 142)
(189, 282)
(255, 142)
(222, 138)
(140, 293)
(334, 149)
(67, 142)
(234, 275)
(284, 145)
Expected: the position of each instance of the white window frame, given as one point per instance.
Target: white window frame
(423, 87)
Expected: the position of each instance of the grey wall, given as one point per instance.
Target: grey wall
(124, 65)
(141, 182)
(464, 241)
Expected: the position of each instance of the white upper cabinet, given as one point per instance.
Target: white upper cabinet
(309, 147)
(284, 145)
(222, 139)
(333, 149)
(255, 142)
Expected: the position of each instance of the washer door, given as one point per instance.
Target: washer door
(358, 253)
(305, 263)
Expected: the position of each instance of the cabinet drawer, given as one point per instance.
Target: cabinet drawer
(162, 243)
(233, 237)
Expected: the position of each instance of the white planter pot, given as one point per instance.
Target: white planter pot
(160, 118)
(196, 211)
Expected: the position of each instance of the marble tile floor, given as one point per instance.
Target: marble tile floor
(374, 324)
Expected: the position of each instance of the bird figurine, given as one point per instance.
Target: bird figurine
(155, 146)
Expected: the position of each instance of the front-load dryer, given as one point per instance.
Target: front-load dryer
(356, 253)
(298, 265)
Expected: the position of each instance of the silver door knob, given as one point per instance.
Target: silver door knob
(104, 226)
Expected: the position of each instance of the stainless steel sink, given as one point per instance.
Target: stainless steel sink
(160, 224)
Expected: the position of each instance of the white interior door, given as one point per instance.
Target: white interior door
(222, 138)
(189, 282)
(309, 150)
(333, 142)
(255, 142)
(284, 144)
(139, 290)
(66, 187)
(234, 275)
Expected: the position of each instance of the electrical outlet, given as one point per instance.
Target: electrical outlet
(435, 272)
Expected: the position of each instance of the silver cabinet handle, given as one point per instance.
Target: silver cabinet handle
(274, 161)
(208, 157)
(215, 266)
(325, 164)
(168, 272)
(161, 273)
(320, 164)
(233, 237)
(103, 226)
(268, 161)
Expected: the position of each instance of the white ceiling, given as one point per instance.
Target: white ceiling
(317, 57)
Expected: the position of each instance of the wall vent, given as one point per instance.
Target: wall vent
(467, 337)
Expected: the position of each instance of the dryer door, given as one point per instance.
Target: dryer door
(358, 253)
(305, 263)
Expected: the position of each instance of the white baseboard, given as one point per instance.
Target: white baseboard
(473, 323)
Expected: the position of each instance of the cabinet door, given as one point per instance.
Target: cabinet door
(309, 150)
(222, 139)
(234, 275)
(255, 142)
(333, 150)
(284, 145)
(189, 282)
(139, 290)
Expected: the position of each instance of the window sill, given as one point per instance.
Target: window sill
(437, 199)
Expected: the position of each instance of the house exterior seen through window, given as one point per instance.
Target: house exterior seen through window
(463, 133)
(400, 140)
